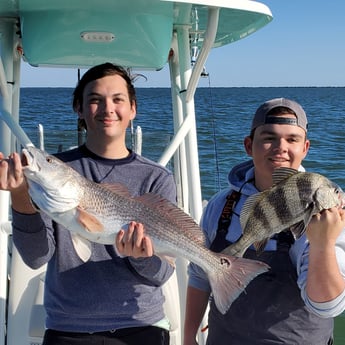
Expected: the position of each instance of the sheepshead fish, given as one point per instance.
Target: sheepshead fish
(289, 204)
(95, 212)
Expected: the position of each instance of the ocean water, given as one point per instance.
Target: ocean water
(223, 120)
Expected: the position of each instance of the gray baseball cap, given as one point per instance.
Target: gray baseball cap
(261, 118)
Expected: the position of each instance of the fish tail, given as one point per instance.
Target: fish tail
(231, 278)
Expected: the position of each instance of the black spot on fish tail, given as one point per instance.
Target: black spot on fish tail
(225, 261)
(231, 278)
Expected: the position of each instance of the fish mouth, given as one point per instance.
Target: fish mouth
(25, 158)
(28, 160)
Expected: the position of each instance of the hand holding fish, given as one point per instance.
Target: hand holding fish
(325, 227)
(134, 242)
(324, 279)
(11, 174)
(12, 180)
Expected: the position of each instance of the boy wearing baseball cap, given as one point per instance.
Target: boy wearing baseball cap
(295, 302)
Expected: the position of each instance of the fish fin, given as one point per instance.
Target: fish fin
(165, 207)
(230, 280)
(260, 245)
(174, 214)
(82, 247)
(88, 221)
(248, 207)
(117, 188)
(281, 174)
(298, 229)
(170, 259)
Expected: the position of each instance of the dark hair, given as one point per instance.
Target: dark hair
(97, 72)
(275, 111)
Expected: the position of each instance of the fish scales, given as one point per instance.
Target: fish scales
(275, 202)
(96, 212)
(279, 211)
(261, 215)
(288, 205)
(305, 188)
(159, 225)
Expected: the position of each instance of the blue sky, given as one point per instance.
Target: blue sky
(304, 45)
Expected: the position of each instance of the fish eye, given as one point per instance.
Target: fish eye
(49, 160)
